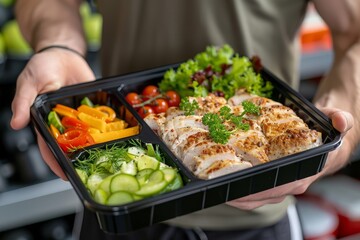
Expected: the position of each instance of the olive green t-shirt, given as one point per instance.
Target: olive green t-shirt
(142, 34)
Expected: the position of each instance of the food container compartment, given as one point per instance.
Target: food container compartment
(196, 194)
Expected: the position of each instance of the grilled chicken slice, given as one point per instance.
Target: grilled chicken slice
(179, 125)
(293, 141)
(223, 167)
(173, 112)
(198, 161)
(210, 103)
(251, 144)
(183, 134)
(240, 96)
(156, 122)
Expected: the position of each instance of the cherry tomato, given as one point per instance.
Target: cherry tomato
(145, 111)
(150, 91)
(173, 98)
(159, 105)
(133, 98)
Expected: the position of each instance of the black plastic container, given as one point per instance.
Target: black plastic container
(196, 194)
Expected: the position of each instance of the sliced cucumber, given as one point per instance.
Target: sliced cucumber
(169, 174)
(94, 181)
(136, 151)
(100, 196)
(156, 177)
(129, 168)
(82, 175)
(105, 184)
(175, 184)
(120, 197)
(149, 189)
(124, 182)
(145, 161)
(143, 175)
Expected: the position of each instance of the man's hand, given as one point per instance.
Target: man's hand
(343, 122)
(46, 71)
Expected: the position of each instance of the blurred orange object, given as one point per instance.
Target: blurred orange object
(314, 33)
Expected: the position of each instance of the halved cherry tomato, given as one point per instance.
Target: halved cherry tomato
(173, 98)
(145, 111)
(159, 105)
(70, 122)
(73, 138)
(150, 91)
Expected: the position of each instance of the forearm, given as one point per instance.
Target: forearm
(51, 22)
(341, 89)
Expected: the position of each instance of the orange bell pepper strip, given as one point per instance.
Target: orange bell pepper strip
(110, 113)
(113, 135)
(93, 121)
(92, 112)
(65, 110)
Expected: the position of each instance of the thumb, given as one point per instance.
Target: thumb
(342, 121)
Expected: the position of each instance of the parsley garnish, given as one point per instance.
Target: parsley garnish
(188, 107)
(215, 121)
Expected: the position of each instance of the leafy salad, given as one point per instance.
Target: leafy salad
(216, 70)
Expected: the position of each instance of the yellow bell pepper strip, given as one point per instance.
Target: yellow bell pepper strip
(93, 130)
(109, 136)
(55, 132)
(93, 121)
(92, 112)
(65, 110)
(116, 125)
(110, 113)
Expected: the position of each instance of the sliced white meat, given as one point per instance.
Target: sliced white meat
(173, 112)
(223, 167)
(188, 157)
(240, 96)
(183, 134)
(271, 129)
(209, 155)
(210, 103)
(251, 144)
(156, 122)
(293, 141)
(263, 102)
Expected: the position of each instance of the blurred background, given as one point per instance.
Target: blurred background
(35, 204)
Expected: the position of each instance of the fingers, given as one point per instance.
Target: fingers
(342, 121)
(23, 99)
(49, 158)
(250, 205)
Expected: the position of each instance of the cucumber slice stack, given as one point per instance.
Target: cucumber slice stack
(141, 177)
